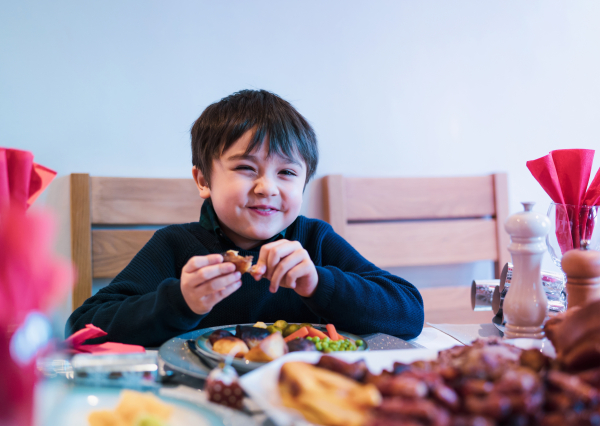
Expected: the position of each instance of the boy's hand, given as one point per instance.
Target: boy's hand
(287, 264)
(206, 280)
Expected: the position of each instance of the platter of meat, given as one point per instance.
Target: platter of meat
(490, 382)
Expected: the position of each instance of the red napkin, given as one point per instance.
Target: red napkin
(21, 180)
(32, 278)
(564, 174)
(75, 343)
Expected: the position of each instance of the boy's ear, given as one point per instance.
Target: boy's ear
(201, 183)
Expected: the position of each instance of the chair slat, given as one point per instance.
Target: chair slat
(410, 198)
(451, 305)
(113, 249)
(126, 201)
(425, 243)
(80, 241)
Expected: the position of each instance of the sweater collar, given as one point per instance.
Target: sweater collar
(209, 221)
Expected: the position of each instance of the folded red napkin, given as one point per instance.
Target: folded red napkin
(75, 343)
(32, 279)
(564, 174)
(21, 180)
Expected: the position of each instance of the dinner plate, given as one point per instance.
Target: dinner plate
(79, 402)
(176, 354)
(205, 350)
(261, 384)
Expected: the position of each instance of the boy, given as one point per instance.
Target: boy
(252, 155)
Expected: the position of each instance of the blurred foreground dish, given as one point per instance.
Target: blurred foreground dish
(488, 383)
(134, 409)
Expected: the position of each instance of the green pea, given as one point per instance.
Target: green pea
(359, 343)
(317, 339)
(326, 339)
(319, 346)
(327, 350)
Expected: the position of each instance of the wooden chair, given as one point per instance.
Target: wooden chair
(424, 221)
(112, 218)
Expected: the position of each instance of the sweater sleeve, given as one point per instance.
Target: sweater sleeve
(143, 305)
(358, 297)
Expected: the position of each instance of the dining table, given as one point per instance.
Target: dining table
(60, 390)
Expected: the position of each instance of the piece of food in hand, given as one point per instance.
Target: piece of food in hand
(300, 345)
(231, 344)
(132, 407)
(217, 335)
(325, 397)
(242, 263)
(268, 349)
(222, 387)
(252, 336)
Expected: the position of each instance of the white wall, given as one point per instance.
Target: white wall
(394, 88)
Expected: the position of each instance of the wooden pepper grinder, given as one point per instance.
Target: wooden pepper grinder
(525, 305)
(582, 267)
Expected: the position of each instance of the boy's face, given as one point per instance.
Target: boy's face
(255, 197)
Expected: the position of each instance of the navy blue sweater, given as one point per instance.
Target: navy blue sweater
(144, 305)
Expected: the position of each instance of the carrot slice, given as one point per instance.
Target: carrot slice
(313, 332)
(333, 334)
(302, 332)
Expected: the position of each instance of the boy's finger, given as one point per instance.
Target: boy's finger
(212, 299)
(217, 284)
(210, 272)
(229, 289)
(296, 272)
(279, 252)
(198, 262)
(283, 267)
(264, 255)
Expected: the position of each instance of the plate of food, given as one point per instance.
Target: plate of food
(253, 345)
(93, 406)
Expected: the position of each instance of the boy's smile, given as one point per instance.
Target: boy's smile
(255, 196)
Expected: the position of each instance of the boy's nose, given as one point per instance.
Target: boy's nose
(266, 187)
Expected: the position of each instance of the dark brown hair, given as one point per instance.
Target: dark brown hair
(224, 122)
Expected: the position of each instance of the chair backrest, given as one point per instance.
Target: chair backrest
(112, 218)
(421, 221)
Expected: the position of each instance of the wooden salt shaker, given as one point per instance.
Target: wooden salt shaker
(582, 267)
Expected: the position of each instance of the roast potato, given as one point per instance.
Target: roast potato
(218, 334)
(226, 345)
(268, 349)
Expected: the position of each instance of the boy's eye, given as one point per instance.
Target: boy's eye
(244, 168)
(288, 172)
